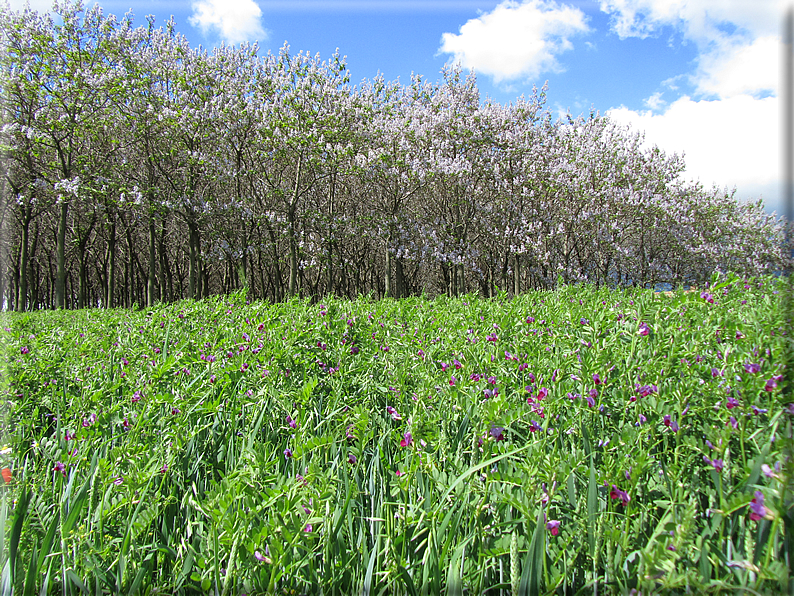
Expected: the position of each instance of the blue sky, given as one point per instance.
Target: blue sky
(698, 77)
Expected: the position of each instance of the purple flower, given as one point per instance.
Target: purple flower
(707, 297)
(732, 402)
(534, 426)
(646, 390)
(771, 385)
(118, 481)
(757, 509)
(136, 397)
(406, 440)
(573, 396)
(308, 528)
(492, 337)
(60, 467)
(642, 420)
(758, 411)
(733, 422)
(452, 381)
(644, 329)
(351, 459)
(616, 493)
(752, 367)
(393, 413)
(287, 453)
(174, 410)
(89, 420)
(489, 393)
(553, 526)
(24, 350)
(291, 422)
(590, 401)
(497, 432)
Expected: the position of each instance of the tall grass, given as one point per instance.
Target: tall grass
(389, 447)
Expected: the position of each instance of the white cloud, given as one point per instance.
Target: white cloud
(700, 20)
(741, 68)
(729, 142)
(516, 40)
(235, 20)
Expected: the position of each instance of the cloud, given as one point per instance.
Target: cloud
(741, 68)
(516, 40)
(700, 20)
(235, 20)
(729, 142)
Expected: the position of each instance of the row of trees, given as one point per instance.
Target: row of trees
(138, 169)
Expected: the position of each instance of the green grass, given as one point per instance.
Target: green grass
(148, 448)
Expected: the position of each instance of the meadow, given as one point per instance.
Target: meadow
(575, 441)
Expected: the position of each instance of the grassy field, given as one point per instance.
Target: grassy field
(575, 441)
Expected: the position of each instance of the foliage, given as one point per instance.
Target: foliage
(567, 441)
(137, 169)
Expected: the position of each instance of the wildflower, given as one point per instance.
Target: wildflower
(553, 526)
(474, 377)
(260, 557)
(717, 464)
(398, 473)
(136, 397)
(771, 385)
(308, 528)
(758, 411)
(534, 426)
(497, 432)
(707, 297)
(543, 392)
(671, 547)
(590, 401)
(60, 467)
(406, 440)
(174, 410)
(292, 423)
(597, 380)
(646, 390)
(89, 420)
(644, 329)
(732, 402)
(489, 393)
(768, 470)
(616, 493)
(492, 337)
(164, 469)
(118, 481)
(24, 350)
(752, 367)
(572, 396)
(757, 509)
(642, 420)
(452, 381)
(351, 459)
(393, 413)
(287, 453)
(733, 422)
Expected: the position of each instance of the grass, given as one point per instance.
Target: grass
(400, 447)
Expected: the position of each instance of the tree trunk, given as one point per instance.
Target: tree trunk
(293, 241)
(387, 293)
(111, 281)
(193, 271)
(60, 250)
(517, 276)
(152, 260)
(23, 265)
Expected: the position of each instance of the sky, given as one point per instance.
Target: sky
(698, 77)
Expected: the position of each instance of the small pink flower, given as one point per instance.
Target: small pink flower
(553, 526)
(406, 440)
